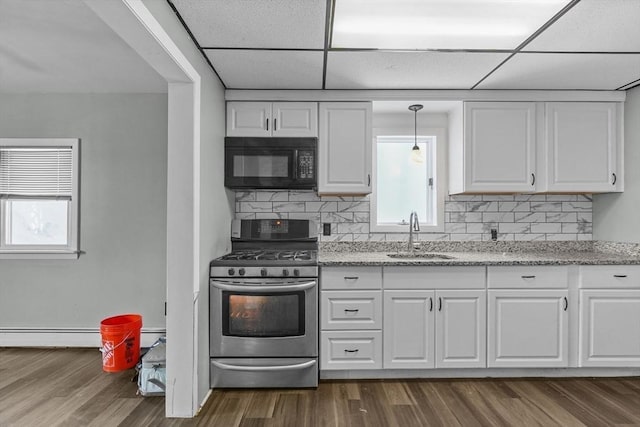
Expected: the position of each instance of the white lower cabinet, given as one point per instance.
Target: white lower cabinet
(435, 329)
(528, 328)
(461, 323)
(351, 318)
(408, 329)
(350, 350)
(610, 327)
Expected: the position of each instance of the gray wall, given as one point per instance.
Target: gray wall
(216, 203)
(122, 212)
(615, 216)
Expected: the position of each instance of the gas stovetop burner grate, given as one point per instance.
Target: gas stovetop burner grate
(268, 255)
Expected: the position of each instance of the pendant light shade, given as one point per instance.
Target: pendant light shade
(416, 154)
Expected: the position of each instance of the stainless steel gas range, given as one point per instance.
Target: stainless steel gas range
(264, 306)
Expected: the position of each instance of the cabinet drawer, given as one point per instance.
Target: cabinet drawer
(350, 350)
(434, 277)
(351, 310)
(351, 278)
(610, 276)
(525, 277)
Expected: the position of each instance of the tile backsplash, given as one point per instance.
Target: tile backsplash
(467, 217)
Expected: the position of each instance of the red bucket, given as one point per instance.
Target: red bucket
(120, 342)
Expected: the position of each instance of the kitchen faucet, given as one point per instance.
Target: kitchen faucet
(414, 225)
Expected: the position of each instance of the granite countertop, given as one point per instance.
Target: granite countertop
(481, 253)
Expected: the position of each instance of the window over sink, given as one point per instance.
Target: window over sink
(39, 197)
(404, 183)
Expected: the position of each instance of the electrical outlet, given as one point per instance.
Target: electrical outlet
(494, 234)
(326, 229)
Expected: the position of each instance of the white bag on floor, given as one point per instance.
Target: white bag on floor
(152, 378)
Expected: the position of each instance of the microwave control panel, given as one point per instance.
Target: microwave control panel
(306, 165)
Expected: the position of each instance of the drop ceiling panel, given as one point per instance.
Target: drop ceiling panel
(565, 71)
(408, 70)
(266, 69)
(594, 26)
(255, 23)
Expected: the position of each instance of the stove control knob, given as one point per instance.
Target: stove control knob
(231, 272)
(263, 272)
(285, 272)
(241, 271)
(296, 272)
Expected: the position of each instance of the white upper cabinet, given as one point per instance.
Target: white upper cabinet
(536, 147)
(582, 147)
(344, 148)
(497, 150)
(277, 119)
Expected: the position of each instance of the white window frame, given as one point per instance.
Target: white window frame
(71, 249)
(439, 185)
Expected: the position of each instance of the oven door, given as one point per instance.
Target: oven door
(264, 318)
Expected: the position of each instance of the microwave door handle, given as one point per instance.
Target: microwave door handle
(295, 164)
(277, 288)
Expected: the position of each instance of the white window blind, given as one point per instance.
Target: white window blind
(36, 172)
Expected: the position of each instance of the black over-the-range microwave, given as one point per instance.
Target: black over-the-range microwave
(274, 163)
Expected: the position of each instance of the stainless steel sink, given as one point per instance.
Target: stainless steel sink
(422, 255)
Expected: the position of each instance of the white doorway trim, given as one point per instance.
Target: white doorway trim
(133, 22)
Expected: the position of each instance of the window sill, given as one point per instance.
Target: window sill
(33, 254)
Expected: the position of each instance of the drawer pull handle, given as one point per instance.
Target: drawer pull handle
(528, 277)
(620, 276)
(566, 303)
(430, 304)
(350, 351)
(615, 179)
(351, 310)
(351, 277)
(439, 304)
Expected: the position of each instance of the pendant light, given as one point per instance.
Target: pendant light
(416, 154)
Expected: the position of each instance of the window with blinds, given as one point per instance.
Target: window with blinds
(36, 172)
(38, 196)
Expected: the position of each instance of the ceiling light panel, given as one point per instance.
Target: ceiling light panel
(284, 24)
(408, 70)
(267, 69)
(594, 26)
(439, 24)
(565, 71)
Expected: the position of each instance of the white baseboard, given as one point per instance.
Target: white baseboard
(66, 337)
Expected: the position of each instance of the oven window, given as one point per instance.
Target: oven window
(264, 315)
(266, 166)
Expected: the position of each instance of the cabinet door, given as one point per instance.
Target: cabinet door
(295, 119)
(528, 328)
(408, 327)
(610, 328)
(344, 148)
(499, 146)
(581, 146)
(461, 331)
(249, 119)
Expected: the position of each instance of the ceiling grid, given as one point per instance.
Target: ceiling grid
(287, 45)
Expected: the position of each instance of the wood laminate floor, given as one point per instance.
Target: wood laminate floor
(66, 387)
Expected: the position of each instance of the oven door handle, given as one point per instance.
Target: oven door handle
(293, 367)
(276, 288)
